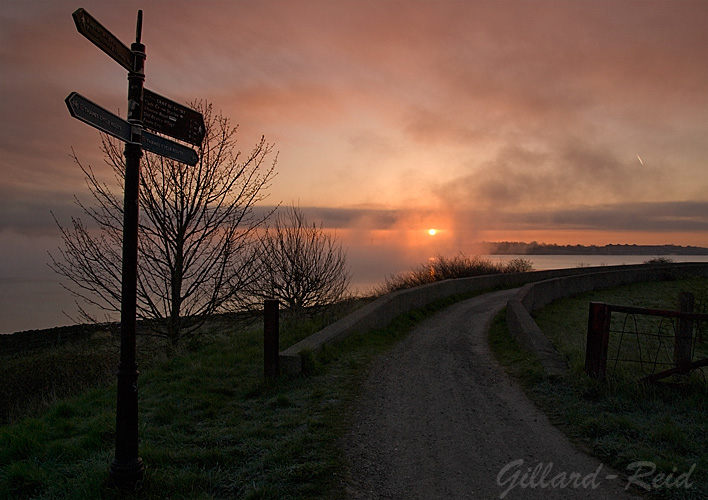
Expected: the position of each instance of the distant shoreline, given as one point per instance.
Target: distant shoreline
(533, 248)
(542, 256)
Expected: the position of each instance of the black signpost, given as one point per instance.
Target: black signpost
(103, 39)
(170, 118)
(170, 149)
(91, 113)
(163, 116)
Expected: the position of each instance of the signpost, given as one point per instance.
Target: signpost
(162, 115)
(170, 149)
(170, 118)
(103, 39)
(91, 113)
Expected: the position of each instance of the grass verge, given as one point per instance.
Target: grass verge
(618, 421)
(210, 426)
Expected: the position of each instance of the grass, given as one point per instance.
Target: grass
(33, 379)
(618, 421)
(210, 426)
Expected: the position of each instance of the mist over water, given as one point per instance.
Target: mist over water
(31, 297)
(541, 263)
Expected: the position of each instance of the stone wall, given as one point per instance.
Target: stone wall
(383, 310)
(536, 295)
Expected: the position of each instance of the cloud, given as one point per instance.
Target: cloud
(23, 215)
(648, 217)
(471, 106)
(689, 216)
(568, 171)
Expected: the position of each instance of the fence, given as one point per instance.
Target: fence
(650, 344)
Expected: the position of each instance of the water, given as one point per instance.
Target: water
(545, 262)
(36, 300)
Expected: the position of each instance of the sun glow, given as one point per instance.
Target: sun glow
(432, 232)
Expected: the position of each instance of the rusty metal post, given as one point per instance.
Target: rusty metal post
(598, 340)
(683, 341)
(271, 341)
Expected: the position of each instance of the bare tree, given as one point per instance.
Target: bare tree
(195, 234)
(301, 265)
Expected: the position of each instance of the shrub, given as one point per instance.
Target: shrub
(442, 268)
(659, 261)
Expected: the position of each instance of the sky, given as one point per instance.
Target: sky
(557, 121)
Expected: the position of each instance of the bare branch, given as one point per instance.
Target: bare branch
(301, 265)
(196, 231)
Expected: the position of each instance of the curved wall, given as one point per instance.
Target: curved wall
(534, 296)
(552, 284)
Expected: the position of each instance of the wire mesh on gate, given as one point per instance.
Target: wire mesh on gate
(644, 345)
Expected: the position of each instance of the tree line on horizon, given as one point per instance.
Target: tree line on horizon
(535, 248)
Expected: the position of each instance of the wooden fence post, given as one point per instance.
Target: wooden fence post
(597, 340)
(683, 341)
(271, 340)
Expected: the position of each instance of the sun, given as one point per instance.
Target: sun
(432, 232)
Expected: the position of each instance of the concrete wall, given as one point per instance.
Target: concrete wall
(383, 310)
(536, 295)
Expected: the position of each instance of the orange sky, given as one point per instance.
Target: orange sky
(548, 120)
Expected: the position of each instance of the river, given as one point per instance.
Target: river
(38, 301)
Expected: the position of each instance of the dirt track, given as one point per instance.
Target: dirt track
(440, 419)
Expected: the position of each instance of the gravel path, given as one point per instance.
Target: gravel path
(440, 419)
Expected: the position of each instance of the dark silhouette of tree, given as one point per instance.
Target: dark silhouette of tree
(301, 265)
(197, 227)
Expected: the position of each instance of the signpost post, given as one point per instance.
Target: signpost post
(163, 116)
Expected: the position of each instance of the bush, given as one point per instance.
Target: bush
(442, 268)
(659, 261)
